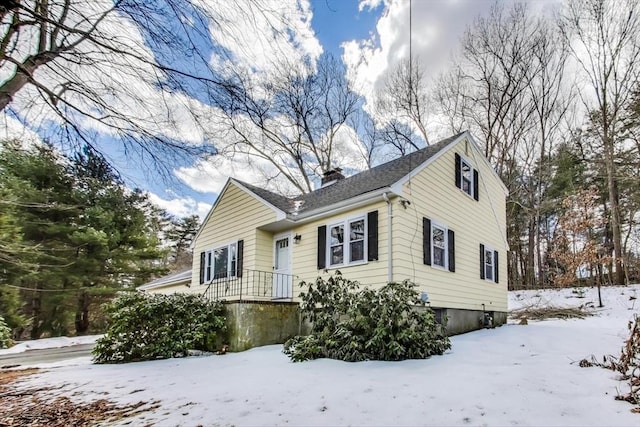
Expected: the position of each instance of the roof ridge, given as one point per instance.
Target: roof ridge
(380, 176)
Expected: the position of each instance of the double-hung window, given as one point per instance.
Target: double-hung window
(438, 245)
(467, 178)
(221, 262)
(347, 242)
(488, 264)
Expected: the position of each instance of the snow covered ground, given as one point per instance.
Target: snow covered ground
(512, 375)
(45, 343)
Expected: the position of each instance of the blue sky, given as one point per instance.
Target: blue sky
(369, 36)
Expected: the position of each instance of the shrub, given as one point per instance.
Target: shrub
(149, 326)
(5, 334)
(353, 325)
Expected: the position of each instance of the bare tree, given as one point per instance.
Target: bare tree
(129, 69)
(401, 107)
(297, 122)
(604, 36)
(489, 92)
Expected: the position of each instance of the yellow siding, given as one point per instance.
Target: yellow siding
(433, 194)
(372, 273)
(235, 217)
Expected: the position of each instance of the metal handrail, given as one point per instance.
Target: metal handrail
(250, 285)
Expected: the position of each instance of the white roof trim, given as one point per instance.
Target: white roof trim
(183, 277)
(397, 186)
(279, 213)
(352, 203)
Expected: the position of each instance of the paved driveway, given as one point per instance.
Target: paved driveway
(49, 355)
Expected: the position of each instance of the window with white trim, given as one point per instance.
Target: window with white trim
(489, 265)
(221, 262)
(350, 247)
(438, 245)
(466, 176)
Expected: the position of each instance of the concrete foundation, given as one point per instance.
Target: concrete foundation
(460, 321)
(257, 323)
(253, 324)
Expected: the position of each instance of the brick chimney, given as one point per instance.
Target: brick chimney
(331, 177)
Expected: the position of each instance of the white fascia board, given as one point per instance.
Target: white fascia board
(484, 159)
(279, 213)
(397, 186)
(206, 218)
(352, 203)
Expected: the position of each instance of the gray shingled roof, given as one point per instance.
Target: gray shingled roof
(381, 176)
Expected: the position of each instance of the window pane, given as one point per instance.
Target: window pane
(221, 259)
(357, 230)
(357, 251)
(438, 237)
(336, 255)
(337, 235)
(488, 265)
(438, 246)
(467, 174)
(438, 256)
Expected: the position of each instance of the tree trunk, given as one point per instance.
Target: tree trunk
(35, 315)
(614, 207)
(82, 314)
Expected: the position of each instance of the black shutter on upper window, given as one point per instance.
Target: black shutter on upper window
(372, 236)
(497, 273)
(451, 244)
(426, 240)
(322, 247)
(202, 260)
(239, 261)
(476, 195)
(458, 169)
(481, 261)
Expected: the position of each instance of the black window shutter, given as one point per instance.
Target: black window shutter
(481, 261)
(426, 240)
(495, 261)
(372, 236)
(476, 195)
(239, 261)
(202, 260)
(322, 247)
(458, 169)
(452, 250)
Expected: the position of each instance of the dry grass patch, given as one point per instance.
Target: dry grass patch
(535, 312)
(48, 406)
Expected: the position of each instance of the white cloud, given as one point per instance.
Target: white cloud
(10, 128)
(181, 207)
(369, 4)
(436, 28)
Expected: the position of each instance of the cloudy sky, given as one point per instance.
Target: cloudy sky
(370, 37)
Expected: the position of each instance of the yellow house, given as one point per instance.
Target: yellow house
(436, 216)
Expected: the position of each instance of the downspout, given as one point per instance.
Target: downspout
(390, 237)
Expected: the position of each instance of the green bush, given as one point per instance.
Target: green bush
(5, 334)
(150, 326)
(350, 324)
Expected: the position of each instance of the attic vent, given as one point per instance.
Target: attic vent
(332, 176)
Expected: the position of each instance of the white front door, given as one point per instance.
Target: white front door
(282, 280)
